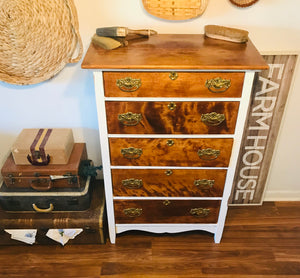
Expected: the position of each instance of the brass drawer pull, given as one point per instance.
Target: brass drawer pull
(132, 183)
(204, 184)
(37, 209)
(129, 84)
(218, 85)
(130, 119)
(200, 212)
(208, 154)
(170, 142)
(172, 106)
(133, 212)
(212, 119)
(168, 172)
(166, 202)
(173, 75)
(131, 153)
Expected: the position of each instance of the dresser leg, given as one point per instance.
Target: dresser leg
(112, 236)
(218, 237)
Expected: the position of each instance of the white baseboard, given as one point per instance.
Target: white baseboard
(282, 196)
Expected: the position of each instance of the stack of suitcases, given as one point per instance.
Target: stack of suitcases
(49, 183)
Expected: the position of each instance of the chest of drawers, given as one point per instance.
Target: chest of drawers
(171, 112)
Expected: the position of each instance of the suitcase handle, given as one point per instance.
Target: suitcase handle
(48, 183)
(37, 209)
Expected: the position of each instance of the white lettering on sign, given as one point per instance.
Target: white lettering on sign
(262, 113)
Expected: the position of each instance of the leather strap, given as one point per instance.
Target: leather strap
(37, 148)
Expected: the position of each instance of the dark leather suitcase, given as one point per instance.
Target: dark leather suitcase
(61, 199)
(43, 178)
(92, 221)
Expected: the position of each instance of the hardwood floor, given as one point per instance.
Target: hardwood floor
(262, 241)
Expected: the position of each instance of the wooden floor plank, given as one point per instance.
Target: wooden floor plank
(258, 241)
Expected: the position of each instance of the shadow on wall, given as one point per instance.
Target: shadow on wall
(6, 141)
(91, 138)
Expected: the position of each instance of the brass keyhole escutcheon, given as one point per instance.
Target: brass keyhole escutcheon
(166, 202)
(170, 142)
(172, 106)
(168, 172)
(173, 75)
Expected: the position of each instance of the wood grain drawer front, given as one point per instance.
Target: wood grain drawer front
(166, 211)
(171, 117)
(170, 152)
(173, 84)
(168, 182)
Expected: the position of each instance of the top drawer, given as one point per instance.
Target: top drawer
(173, 84)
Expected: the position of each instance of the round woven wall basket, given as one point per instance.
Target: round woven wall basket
(37, 39)
(175, 9)
(243, 3)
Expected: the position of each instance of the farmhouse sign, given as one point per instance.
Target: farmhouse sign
(268, 99)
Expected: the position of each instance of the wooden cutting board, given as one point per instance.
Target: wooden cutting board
(175, 9)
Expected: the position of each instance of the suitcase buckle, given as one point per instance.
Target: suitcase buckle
(11, 179)
(72, 179)
(37, 159)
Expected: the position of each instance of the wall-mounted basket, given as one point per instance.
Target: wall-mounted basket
(243, 3)
(175, 9)
(37, 39)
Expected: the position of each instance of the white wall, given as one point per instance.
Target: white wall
(68, 100)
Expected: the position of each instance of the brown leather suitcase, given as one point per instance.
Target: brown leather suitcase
(92, 221)
(44, 178)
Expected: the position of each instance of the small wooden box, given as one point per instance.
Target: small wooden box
(43, 146)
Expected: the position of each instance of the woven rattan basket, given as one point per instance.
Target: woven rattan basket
(243, 3)
(37, 39)
(175, 9)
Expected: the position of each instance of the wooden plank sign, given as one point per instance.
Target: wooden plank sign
(270, 91)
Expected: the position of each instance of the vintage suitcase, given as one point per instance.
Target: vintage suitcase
(43, 146)
(92, 221)
(43, 178)
(60, 199)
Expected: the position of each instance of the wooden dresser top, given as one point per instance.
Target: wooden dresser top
(176, 51)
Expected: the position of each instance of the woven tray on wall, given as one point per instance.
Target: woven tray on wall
(37, 39)
(175, 9)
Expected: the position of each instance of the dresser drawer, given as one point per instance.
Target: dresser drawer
(166, 211)
(168, 182)
(173, 84)
(170, 152)
(165, 117)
